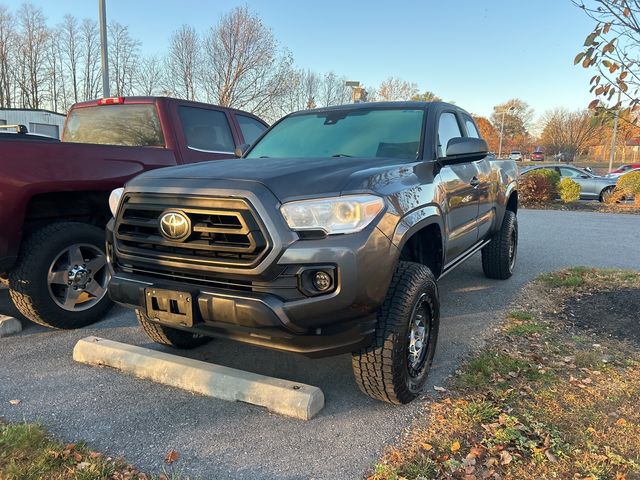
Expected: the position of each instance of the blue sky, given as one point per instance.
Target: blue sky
(476, 52)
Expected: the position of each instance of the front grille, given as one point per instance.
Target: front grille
(224, 231)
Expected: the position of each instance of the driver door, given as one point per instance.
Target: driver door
(461, 195)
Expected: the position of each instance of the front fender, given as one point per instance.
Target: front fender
(415, 221)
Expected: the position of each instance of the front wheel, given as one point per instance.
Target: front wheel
(395, 367)
(499, 257)
(60, 279)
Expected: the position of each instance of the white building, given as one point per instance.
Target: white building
(43, 122)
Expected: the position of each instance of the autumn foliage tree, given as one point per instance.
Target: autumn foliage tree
(395, 89)
(488, 132)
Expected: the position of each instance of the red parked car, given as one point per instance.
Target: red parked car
(625, 168)
(537, 157)
(54, 195)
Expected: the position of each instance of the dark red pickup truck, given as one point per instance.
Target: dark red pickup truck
(54, 195)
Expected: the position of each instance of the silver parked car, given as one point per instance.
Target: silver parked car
(592, 187)
(516, 155)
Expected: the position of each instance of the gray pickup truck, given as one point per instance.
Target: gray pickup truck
(326, 237)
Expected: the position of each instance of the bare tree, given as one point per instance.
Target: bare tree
(570, 132)
(55, 80)
(89, 37)
(123, 58)
(150, 78)
(183, 62)
(334, 90)
(7, 44)
(32, 43)
(244, 66)
(394, 89)
(70, 47)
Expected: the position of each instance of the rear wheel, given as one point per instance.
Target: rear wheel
(499, 257)
(60, 279)
(170, 336)
(395, 367)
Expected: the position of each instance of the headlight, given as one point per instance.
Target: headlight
(114, 200)
(348, 214)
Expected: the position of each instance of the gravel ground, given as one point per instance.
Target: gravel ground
(122, 415)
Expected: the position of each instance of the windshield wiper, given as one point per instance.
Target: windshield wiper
(341, 155)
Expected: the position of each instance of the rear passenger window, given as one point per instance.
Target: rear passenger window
(448, 128)
(251, 128)
(206, 130)
(472, 131)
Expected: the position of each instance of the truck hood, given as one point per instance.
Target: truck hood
(285, 177)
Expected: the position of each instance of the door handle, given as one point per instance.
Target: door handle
(474, 182)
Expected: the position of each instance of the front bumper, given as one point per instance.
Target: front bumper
(268, 306)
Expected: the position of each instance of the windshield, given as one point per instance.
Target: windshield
(135, 125)
(370, 133)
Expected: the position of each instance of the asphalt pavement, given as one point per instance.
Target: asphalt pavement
(118, 414)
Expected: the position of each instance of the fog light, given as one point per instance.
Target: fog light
(322, 281)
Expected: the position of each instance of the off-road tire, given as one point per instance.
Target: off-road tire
(28, 286)
(496, 258)
(382, 369)
(170, 336)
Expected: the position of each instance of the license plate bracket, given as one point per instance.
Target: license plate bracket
(169, 306)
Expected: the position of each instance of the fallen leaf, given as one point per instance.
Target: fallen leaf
(455, 446)
(476, 452)
(171, 457)
(95, 455)
(426, 446)
(77, 457)
(14, 402)
(505, 457)
(621, 422)
(83, 465)
(552, 458)
(587, 380)
(439, 389)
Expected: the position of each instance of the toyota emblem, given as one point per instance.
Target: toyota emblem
(175, 226)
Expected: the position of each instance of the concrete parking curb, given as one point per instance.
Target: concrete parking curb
(9, 326)
(278, 396)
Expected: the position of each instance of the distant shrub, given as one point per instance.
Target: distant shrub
(568, 190)
(536, 188)
(629, 185)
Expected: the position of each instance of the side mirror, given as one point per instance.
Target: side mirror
(241, 150)
(465, 149)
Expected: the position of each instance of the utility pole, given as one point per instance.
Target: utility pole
(612, 152)
(510, 109)
(103, 47)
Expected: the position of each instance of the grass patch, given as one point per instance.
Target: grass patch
(28, 452)
(522, 329)
(535, 406)
(521, 315)
(492, 367)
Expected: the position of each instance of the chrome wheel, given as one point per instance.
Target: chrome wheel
(78, 277)
(419, 332)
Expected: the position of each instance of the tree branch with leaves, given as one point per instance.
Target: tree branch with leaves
(612, 49)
